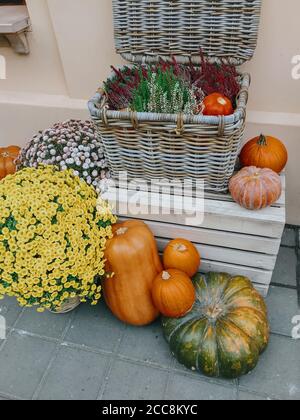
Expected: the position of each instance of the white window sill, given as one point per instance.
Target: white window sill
(14, 23)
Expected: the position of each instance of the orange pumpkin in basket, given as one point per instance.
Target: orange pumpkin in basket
(217, 105)
(255, 188)
(8, 156)
(265, 152)
(132, 258)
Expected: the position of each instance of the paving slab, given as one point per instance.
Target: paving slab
(283, 307)
(289, 237)
(45, 324)
(285, 269)
(134, 382)
(74, 375)
(146, 344)
(181, 369)
(182, 388)
(10, 309)
(278, 372)
(23, 361)
(95, 326)
(248, 396)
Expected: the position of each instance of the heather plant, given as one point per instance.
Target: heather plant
(164, 92)
(121, 89)
(215, 77)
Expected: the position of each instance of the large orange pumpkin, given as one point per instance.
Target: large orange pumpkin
(255, 188)
(265, 152)
(8, 156)
(182, 255)
(132, 258)
(173, 293)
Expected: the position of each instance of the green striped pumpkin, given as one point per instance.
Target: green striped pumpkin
(226, 331)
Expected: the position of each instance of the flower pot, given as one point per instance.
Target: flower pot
(68, 306)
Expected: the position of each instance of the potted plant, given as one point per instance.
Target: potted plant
(73, 144)
(53, 233)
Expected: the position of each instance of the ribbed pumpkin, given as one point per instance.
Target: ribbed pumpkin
(265, 152)
(8, 156)
(132, 258)
(255, 188)
(226, 331)
(173, 293)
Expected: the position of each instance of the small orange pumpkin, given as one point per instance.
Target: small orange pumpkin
(255, 188)
(8, 156)
(182, 255)
(217, 104)
(173, 293)
(132, 256)
(265, 152)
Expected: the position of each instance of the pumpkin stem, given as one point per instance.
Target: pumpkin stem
(262, 140)
(121, 231)
(166, 275)
(180, 248)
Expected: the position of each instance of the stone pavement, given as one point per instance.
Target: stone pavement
(88, 354)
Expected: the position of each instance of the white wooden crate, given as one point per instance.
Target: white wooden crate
(230, 239)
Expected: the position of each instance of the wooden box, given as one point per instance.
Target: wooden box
(230, 239)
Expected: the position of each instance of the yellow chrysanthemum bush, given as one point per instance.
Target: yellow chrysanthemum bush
(53, 232)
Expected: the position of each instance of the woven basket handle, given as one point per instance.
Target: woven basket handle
(180, 124)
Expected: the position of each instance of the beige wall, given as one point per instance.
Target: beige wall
(41, 71)
(72, 49)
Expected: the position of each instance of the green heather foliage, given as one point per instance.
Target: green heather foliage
(163, 92)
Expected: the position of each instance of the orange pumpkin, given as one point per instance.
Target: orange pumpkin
(265, 152)
(217, 104)
(132, 258)
(255, 188)
(182, 255)
(173, 293)
(8, 156)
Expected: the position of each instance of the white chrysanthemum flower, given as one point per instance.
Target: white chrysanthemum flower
(72, 144)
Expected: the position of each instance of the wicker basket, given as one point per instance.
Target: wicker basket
(152, 146)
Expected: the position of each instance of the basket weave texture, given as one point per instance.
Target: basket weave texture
(146, 30)
(152, 146)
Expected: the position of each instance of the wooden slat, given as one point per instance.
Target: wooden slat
(259, 278)
(255, 275)
(231, 256)
(215, 237)
(219, 215)
(231, 217)
(262, 289)
(193, 192)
